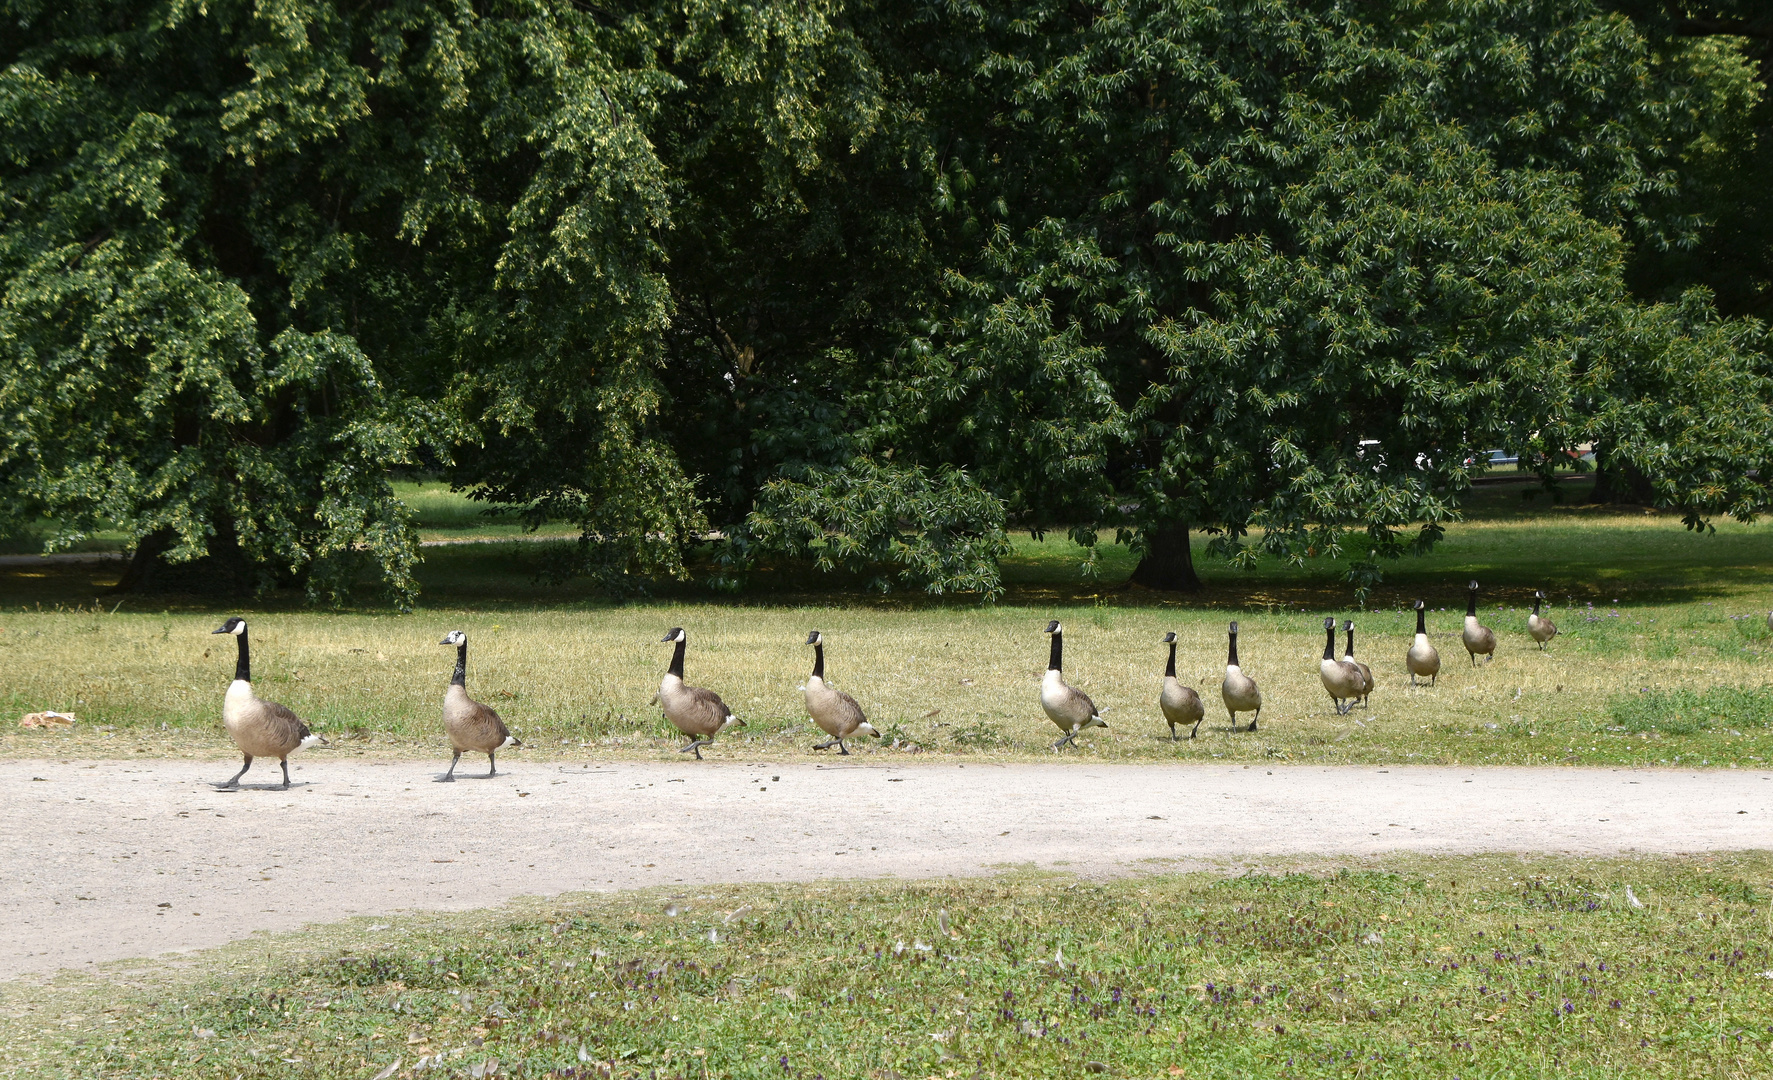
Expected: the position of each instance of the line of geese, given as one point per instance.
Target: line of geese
(262, 728)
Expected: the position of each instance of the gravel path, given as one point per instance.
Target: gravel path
(113, 859)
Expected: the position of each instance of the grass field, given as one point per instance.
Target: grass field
(1670, 664)
(1408, 967)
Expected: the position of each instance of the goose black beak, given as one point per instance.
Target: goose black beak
(445, 641)
(219, 630)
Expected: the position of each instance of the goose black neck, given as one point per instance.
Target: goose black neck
(1170, 668)
(819, 660)
(1329, 643)
(1535, 605)
(1058, 651)
(676, 667)
(1471, 603)
(1422, 620)
(1231, 653)
(460, 678)
(243, 665)
(1350, 649)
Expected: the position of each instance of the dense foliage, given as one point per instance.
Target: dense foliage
(870, 283)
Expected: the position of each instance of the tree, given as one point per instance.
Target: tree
(256, 255)
(1274, 270)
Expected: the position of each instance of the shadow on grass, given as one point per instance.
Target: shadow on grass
(1575, 552)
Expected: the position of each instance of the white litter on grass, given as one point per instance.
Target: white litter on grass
(387, 1072)
(1632, 898)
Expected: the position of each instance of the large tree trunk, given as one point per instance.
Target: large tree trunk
(1168, 562)
(225, 571)
(1621, 484)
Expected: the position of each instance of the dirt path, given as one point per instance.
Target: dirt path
(114, 859)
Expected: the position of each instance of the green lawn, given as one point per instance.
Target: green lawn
(1409, 967)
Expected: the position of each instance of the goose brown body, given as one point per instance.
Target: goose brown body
(835, 712)
(1423, 659)
(1367, 683)
(1238, 690)
(1477, 637)
(1069, 708)
(471, 726)
(1341, 679)
(258, 727)
(1539, 627)
(1180, 704)
(698, 713)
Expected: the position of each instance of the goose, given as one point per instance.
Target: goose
(1422, 659)
(1180, 704)
(1478, 638)
(1342, 680)
(258, 727)
(1542, 628)
(1065, 705)
(1367, 683)
(836, 713)
(1238, 689)
(698, 713)
(471, 726)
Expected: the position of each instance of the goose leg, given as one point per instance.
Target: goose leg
(1255, 718)
(1172, 732)
(842, 749)
(234, 781)
(492, 767)
(827, 744)
(696, 745)
(1196, 729)
(286, 774)
(1070, 735)
(450, 776)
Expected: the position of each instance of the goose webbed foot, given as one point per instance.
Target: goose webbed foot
(696, 746)
(1069, 736)
(1255, 718)
(492, 766)
(842, 749)
(450, 776)
(1196, 729)
(286, 774)
(234, 781)
(828, 744)
(1172, 732)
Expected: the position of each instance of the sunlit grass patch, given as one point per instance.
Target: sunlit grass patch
(1488, 966)
(1688, 712)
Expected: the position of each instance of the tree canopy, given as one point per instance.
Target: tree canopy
(870, 284)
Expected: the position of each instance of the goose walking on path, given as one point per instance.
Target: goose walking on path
(1367, 683)
(1068, 707)
(1342, 680)
(698, 713)
(1478, 638)
(1239, 690)
(1541, 628)
(471, 726)
(1180, 704)
(258, 727)
(835, 712)
(1422, 659)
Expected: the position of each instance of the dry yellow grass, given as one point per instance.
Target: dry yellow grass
(953, 681)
